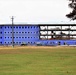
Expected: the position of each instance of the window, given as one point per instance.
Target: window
(5, 27)
(0, 32)
(19, 27)
(28, 42)
(16, 27)
(5, 42)
(22, 27)
(25, 27)
(22, 32)
(25, 37)
(16, 32)
(8, 26)
(59, 43)
(5, 37)
(19, 32)
(1, 27)
(5, 32)
(28, 27)
(19, 42)
(16, 37)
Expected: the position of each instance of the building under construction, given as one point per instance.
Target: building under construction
(38, 34)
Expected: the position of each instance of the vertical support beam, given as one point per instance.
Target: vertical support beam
(61, 33)
(39, 31)
(69, 31)
(12, 32)
(47, 32)
(52, 34)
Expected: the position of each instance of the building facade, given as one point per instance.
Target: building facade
(51, 34)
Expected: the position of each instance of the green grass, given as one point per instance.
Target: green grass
(38, 61)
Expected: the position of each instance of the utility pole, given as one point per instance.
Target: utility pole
(12, 32)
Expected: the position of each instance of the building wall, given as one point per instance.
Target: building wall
(1, 35)
(22, 34)
(57, 42)
(28, 34)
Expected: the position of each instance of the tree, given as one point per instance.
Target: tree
(72, 5)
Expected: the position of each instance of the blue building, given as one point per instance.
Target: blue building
(32, 34)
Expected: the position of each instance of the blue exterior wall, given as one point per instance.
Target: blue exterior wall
(28, 34)
(1, 35)
(56, 42)
(22, 34)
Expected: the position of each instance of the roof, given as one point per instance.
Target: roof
(57, 24)
(40, 24)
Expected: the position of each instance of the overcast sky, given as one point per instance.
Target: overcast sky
(34, 11)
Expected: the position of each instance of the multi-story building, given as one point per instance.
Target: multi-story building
(44, 34)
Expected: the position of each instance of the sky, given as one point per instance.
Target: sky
(34, 11)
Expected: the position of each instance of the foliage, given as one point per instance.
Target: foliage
(72, 15)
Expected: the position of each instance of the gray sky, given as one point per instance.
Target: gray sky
(34, 11)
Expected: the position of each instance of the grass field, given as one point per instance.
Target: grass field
(38, 61)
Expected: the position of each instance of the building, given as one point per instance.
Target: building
(44, 34)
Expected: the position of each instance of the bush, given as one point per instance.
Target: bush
(23, 44)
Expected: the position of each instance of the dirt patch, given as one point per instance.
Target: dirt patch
(31, 49)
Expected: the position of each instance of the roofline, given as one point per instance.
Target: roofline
(41, 24)
(57, 24)
(16, 24)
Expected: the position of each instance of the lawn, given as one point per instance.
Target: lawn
(38, 61)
